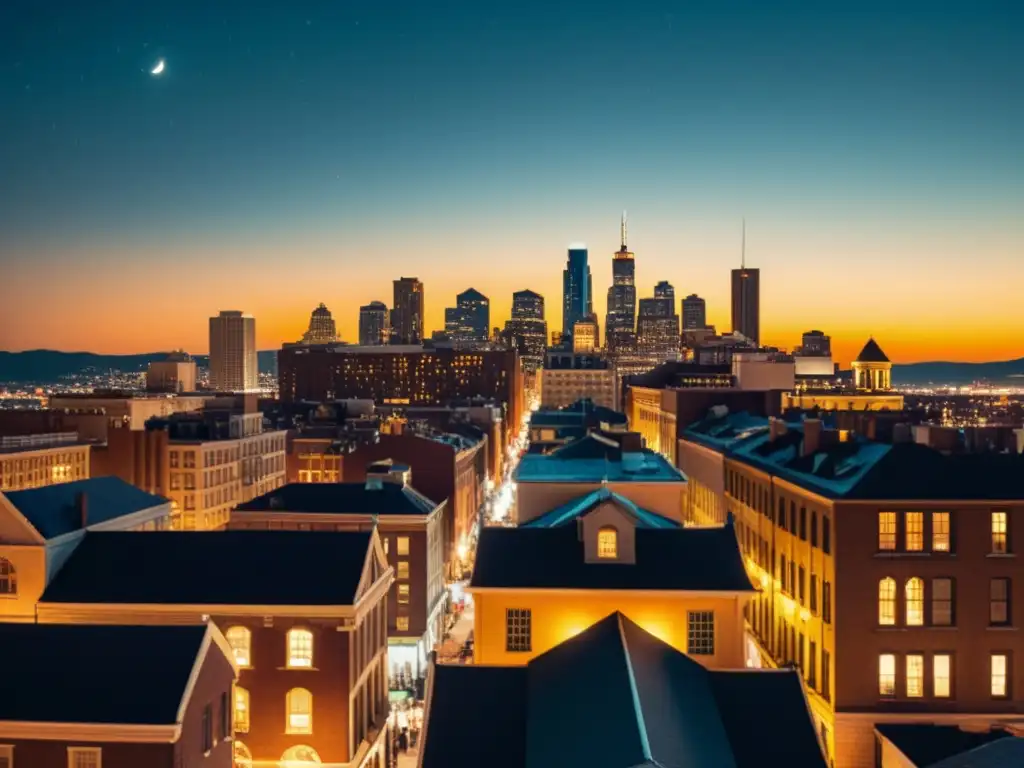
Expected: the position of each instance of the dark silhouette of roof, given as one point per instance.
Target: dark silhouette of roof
(872, 353)
(342, 499)
(568, 513)
(683, 559)
(223, 568)
(656, 707)
(76, 673)
(926, 744)
(54, 510)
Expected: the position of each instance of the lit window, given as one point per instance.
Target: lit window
(403, 546)
(300, 755)
(242, 755)
(8, 578)
(1000, 665)
(403, 569)
(240, 640)
(887, 602)
(886, 531)
(300, 711)
(999, 533)
(915, 675)
(940, 532)
(207, 728)
(384, 541)
(999, 602)
(942, 602)
(300, 648)
(241, 710)
(886, 675)
(402, 623)
(915, 602)
(518, 630)
(915, 531)
(700, 633)
(941, 668)
(85, 757)
(607, 543)
(403, 594)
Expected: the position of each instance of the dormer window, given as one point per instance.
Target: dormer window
(608, 543)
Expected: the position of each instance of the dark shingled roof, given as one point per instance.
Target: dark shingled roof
(926, 744)
(53, 509)
(222, 568)
(653, 705)
(684, 559)
(76, 673)
(342, 498)
(872, 353)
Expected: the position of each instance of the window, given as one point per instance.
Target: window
(1000, 666)
(826, 601)
(403, 569)
(999, 531)
(915, 602)
(403, 546)
(941, 677)
(826, 675)
(887, 602)
(240, 640)
(940, 532)
(999, 602)
(607, 543)
(518, 634)
(812, 668)
(915, 531)
(225, 715)
(942, 602)
(300, 648)
(700, 633)
(802, 585)
(241, 710)
(887, 675)
(402, 623)
(299, 755)
(207, 728)
(803, 523)
(826, 535)
(6, 756)
(384, 542)
(242, 756)
(814, 528)
(85, 757)
(403, 594)
(814, 594)
(886, 531)
(915, 675)
(299, 703)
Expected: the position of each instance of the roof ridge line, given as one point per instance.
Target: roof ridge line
(645, 743)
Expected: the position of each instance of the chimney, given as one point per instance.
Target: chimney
(776, 428)
(82, 502)
(812, 436)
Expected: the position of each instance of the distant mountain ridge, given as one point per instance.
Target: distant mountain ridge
(45, 366)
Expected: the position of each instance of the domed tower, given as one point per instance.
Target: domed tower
(321, 327)
(872, 370)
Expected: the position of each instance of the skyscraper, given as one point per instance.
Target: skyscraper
(694, 313)
(527, 305)
(374, 329)
(472, 316)
(816, 344)
(527, 331)
(657, 325)
(746, 297)
(322, 329)
(620, 320)
(576, 284)
(664, 290)
(233, 363)
(407, 313)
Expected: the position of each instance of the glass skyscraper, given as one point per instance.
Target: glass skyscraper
(577, 301)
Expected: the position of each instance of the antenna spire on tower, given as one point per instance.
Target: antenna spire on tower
(623, 230)
(743, 246)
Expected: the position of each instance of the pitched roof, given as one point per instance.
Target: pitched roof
(54, 510)
(926, 744)
(222, 568)
(872, 353)
(342, 499)
(658, 708)
(141, 672)
(683, 559)
(567, 513)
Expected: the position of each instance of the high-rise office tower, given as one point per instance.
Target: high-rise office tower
(620, 320)
(816, 344)
(664, 290)
(657, 325)
(322, 329)
(746, 297)
(471, 316)
(374, 329)
(407, 313)
(527, 331)
(695, 314)
(576, 284)
(527, 305)
(233, 363)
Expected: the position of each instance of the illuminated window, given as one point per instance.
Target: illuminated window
(384, 541)
(999, 602)
(402, 623)
(85, 757)
(518, 630)
(299, 703)
(886, 675)
(300, 755)
(700, 633)
(915, 602)
(607, 543)
(915, 675)
(240, 640)
(241, 710)
(242, 755)
(941, 668)
(942, 602)
(8, 578)
(1000, 665)
(887, 602)
(300, 648)
(915, 531)
(403, 546)
(403, 569)
(940, 532)
(999, 533)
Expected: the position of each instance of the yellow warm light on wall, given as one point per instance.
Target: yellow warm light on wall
(658, 629)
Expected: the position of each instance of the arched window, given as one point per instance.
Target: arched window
(887, 602)
(915, 602)
(300, 755)
(300, 648)
(240, 640)
(241, 710)
(608, 543)
(8, 578)
(242, 755)
(299, 704)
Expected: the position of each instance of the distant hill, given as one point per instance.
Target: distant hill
(1008, 372)
(44, 366)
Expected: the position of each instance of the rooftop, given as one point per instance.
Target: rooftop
(872, 353)
(580, 412)
(927, 745)
(658, 708)
(55, 510)
(342, 499)
(142, 672)
(567, 513)
(202, 568)
(593, 459)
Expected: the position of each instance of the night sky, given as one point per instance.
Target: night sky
(292, 153)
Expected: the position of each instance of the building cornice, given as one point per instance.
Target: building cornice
(178, 613)
(574, 591)
(90, 732)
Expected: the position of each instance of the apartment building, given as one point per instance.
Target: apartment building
(34, 461)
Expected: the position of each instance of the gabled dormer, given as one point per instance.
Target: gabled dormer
(608, 533)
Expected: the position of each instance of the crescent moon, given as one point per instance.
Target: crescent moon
(158, 68)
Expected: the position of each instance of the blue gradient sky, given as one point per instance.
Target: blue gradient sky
(306, 152)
